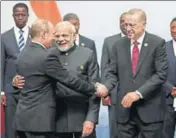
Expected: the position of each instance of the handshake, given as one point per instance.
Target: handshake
(101, 90)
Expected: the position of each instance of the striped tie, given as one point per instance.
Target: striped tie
(21, 40)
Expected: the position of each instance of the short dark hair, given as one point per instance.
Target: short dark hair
(173, 20)
(69, 16)
(20, 5)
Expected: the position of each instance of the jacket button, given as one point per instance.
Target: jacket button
(66, 54)
(66, 64)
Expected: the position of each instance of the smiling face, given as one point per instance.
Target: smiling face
(64, 36)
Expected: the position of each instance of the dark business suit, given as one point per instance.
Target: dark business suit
(9, 54)
(73, 111)
(170, 117)
(147, 113)
(105, 63)
(41, 69)
(89, 43)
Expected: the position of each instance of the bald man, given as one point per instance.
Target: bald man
(138, 68)
(35, 114)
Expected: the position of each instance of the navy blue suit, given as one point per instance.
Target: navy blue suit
(169, 118)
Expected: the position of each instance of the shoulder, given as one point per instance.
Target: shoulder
(154, 38)
(113, 37)
(84, 50)
(6, 34)
(86, 38)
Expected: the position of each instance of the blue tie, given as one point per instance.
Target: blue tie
(21, 42)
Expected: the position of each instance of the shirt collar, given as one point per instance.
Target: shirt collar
(174, 42)
(25, 29)
(122, 35)
(140, 39)
(39, 44)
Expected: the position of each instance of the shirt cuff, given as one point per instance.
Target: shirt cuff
(2, 93)
(138, 93)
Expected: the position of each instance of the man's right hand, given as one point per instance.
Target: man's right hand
(106, 101)
(18, 81)
(3, 99)
(102, 91)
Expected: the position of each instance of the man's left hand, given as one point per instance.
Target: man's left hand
(88, 127)
(129, 98)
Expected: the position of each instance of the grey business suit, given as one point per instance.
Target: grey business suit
(71, 113)
(89, 43)
(9, 54)
(105, 63)
(41, 68)
(151, 73)
(169, 117)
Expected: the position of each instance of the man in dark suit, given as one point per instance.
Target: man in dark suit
(76, 116)
(139, 67)
(35, 114)
(170, 85)
(12, 42)
(80, 39)
(105, 63)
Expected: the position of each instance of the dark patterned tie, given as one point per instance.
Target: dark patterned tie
(135, 57)
(21, 42)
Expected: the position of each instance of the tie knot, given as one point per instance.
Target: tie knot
(136, 43)
(21, 31)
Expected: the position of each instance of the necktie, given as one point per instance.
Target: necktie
(135, 57)
(21, 42)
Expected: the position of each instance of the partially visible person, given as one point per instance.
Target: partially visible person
(169, 86)
(80, 40)
(76, 116)
(41, 68)
(105, 63)
(138, 68)
(12, 43)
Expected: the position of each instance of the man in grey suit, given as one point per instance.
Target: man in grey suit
(12, 42)
(80, 39)
(76, 116)
(139, 67)
(169, 86)
(35, 114)
(105, 62)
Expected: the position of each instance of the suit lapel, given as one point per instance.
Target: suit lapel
(143, 52)
(13, 39)
(127, 51)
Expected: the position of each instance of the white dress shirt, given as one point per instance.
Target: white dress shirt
(25, 33)
(140, 41)
(77, 39)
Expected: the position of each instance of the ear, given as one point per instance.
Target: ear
(44, 34)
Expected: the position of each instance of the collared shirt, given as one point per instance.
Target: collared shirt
(25, 33)
(122, 35)
(174, 46)
(39, 44)
(77, 39)
(140, 41)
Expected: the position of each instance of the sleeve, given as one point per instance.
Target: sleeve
(160, 67)
(54, 69)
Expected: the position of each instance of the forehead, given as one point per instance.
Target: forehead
(20, 9)
(73, 21)
(63, 30)
(134, 18)
(173, 23)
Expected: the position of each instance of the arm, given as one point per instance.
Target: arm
(112, 71)
(159, 77)
(105, 60)
(54, 69)
(94, 102)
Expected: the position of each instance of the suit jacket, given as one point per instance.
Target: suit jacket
(151, 73)
(105, 61)
(9, 55)
(89, 43)
(171, 77)
(41, 69)
(74, 109)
